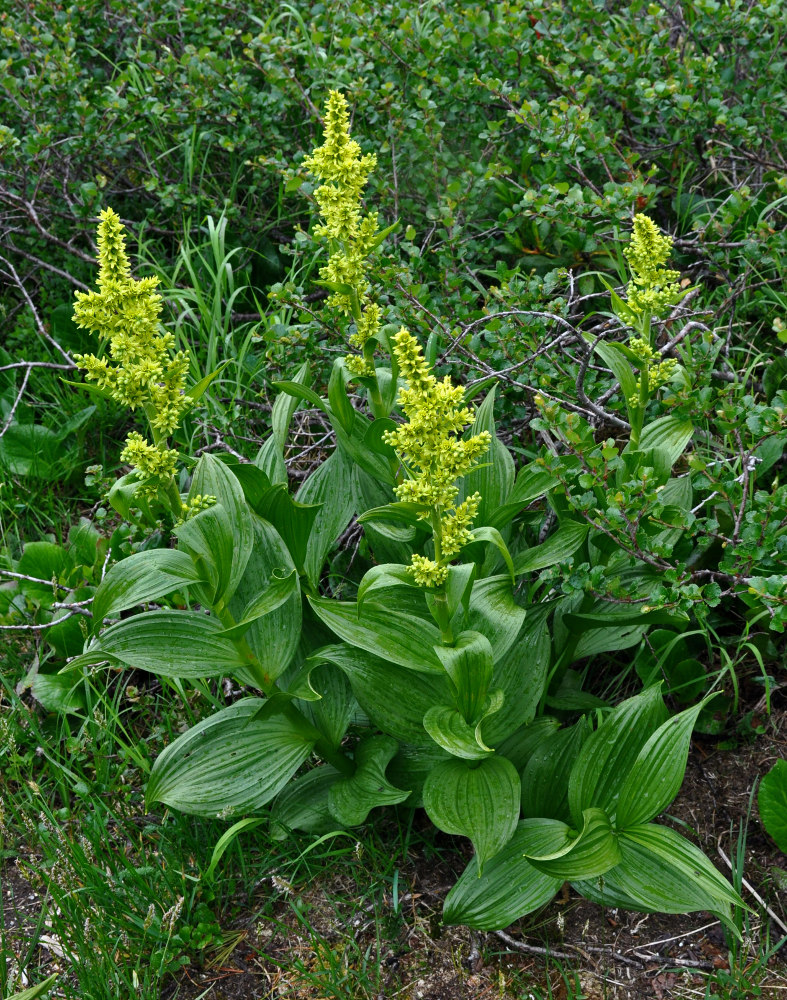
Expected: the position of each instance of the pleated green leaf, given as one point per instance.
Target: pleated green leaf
(479, 801)
(556, 850)
(351, 799)
(168, 643)
(228, 763)
(657, 774)
(144, 576)
(509, 888)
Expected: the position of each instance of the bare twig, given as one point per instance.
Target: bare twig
(19, 395)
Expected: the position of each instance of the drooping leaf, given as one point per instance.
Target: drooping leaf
(228, 763)
(382, 578)
(478, 800)
(509, 888)
(352, 799)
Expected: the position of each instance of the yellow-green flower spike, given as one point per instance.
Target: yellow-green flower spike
(434, 456)
(140, 369)
(351, 235)
(653, 288)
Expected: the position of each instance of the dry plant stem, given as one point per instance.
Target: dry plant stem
(19, 395)
(636, 962)
(42, 330)
(777, 920)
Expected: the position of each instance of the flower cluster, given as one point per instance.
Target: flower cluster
(653, 288)
(140, 369)
(352, 236)
(434, 456)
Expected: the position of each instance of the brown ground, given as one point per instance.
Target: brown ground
(616, 955)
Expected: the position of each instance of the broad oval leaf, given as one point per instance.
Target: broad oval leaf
(395, 698)
(509, 888)
(393, 635)
(494, 613)
(469, 665)
(521, 675)
(661, 872)
(144, 576)
(545, 778)
(557, 548)
(228, 763)
(449, 730)
(772, 803)
(274, 637)
(328, 486)
(480, 802)
(168, 643)
(669, 434)
(303, 804)
(550, 846)
(352, 799)
(211, 477)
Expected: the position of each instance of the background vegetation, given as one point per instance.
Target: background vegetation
(515, 141)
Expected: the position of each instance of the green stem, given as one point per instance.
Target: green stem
(439, 599)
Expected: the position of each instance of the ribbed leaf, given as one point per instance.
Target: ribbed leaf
(546, 776)
(669, 434)
(303, 804)
(144, 576)
(494, 612)
(478, 801)
(228, 763)
(212, 478)
(661, 872)
(657, 774)
(273, 637)
(449, 730)
(520, 675)
(395, 698)
(329, 486)
(554, 849)
(557, 548)
(494, 476)
(167, 643)
(352, 799)
(398, 637)
(509, 888)
(608, 755)
(772, 803)
(469, 665)
(531, 483)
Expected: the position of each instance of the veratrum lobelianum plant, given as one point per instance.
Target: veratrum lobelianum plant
(434, 687)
